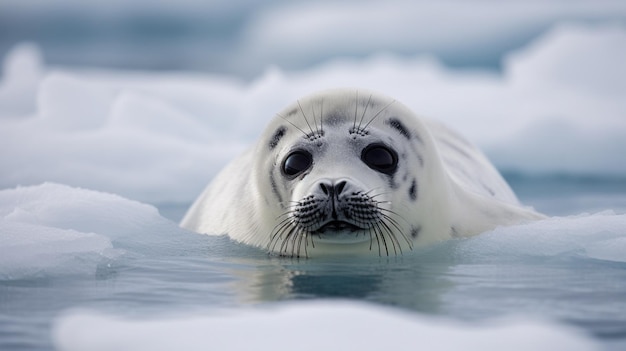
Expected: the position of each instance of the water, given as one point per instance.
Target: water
(569, 194)
(463, 279)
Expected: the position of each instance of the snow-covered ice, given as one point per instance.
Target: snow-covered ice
(52, 230)
(336, 325)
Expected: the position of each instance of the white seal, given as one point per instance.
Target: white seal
(353, 172)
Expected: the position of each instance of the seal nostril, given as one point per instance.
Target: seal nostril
(324, 188)
(339, 187)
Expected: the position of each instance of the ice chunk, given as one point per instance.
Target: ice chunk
(53, 229)
(33, 251)
(599, 236)
(310, 326)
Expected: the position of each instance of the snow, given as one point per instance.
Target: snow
(335, 325)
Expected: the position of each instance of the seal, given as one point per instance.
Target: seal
(345, 172)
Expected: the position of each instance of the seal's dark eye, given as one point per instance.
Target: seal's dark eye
(381, 158)
(297, 162)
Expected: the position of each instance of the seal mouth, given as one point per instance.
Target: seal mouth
(337, 227)
(341, 232)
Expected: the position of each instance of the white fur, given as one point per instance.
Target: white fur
(459, 192)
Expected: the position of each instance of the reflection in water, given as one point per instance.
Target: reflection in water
(337, 286)
(414, 281)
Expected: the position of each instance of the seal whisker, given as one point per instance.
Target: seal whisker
(322, 116)
(294, 238)
(356, 108)
(305, 119)
(317, 130)
(374, 189)
(286, 225)
(306, 244)
(284, 246)
(278, 237)
(377, 240)
(378, 113)
(386, 210)
(391, 236)
(288, 203)
(382, 236)
(396, 225)
(300, 237)
(279, 230)
(284, 220)
(394, 238)
(289, 212)
(275, 232)
(288, 121)
(365, 110)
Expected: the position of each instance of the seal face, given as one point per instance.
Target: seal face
(353, 172)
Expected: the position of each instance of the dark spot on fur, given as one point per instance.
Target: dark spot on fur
(415, 231)
(278, 134)
(292, 112)
(392, 182)
(275, 188)
(418, 138)
(420, 159)
(413, 190)
(489, 190)
(397, 125)
(454, 233)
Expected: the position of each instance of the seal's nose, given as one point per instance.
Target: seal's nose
(332, 188)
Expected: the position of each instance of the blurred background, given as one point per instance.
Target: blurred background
(176, 88)
(244, 37)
